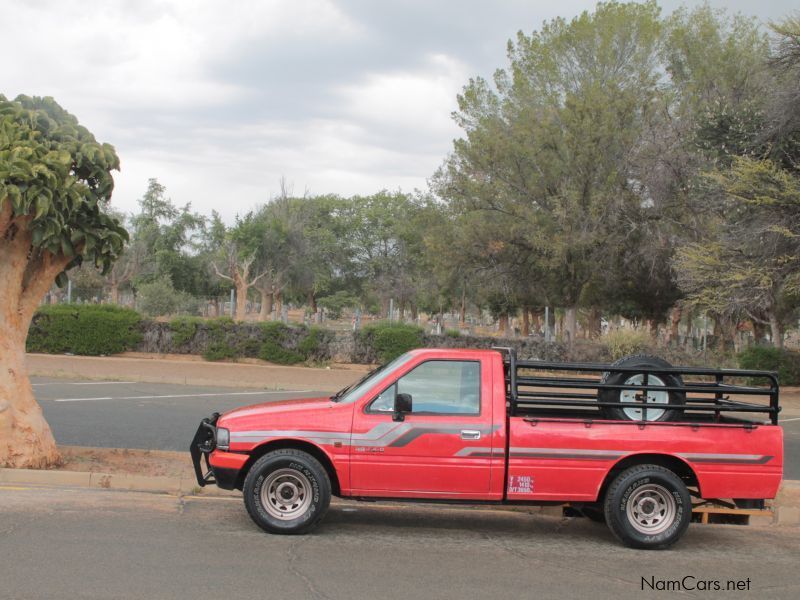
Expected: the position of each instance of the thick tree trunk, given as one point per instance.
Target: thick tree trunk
(266, 305)
(526, 322)
(278, 304)
(25, 277)
(776, 331)
(570, 324)
(241, 299)
(114, 293)
(25, 438)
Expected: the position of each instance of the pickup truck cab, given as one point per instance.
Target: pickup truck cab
(480, 426)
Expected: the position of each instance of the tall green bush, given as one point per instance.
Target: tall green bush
(390, 340)
(84, 329)
(763, 358)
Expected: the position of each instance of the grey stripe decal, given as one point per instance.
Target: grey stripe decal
(481, 452)
(576, 453)
(566, 453)
(395, 435)
(739, 459)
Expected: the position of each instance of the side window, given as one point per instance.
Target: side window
(384, 402)
(443, 387)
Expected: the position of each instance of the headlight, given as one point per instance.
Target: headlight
(223, 438)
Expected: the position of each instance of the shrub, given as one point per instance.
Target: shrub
(337, 303)
(87, 329)
(452, 333)
(764, 358)
(624, 342)
(157, 298)
(219, 348)
(390, 340)
(183, 330)
(273, 348)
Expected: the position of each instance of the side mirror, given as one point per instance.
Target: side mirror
(402, 405)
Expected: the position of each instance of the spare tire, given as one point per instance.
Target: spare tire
(631, 400)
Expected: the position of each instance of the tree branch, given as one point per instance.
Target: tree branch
(219, 273)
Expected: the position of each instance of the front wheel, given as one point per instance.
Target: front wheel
(648, 507)
(287, 491)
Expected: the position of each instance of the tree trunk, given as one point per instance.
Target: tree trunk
(114, 293)
(266, 305)
(759, 331)
(462, 320)
(504, 324)
(570, 324)
(278, 304)
(26, 439)
(414, 312)
(312, 302)
(776, 332)
(675, 321)
(595, 325)
(241, 299)
(526, 322)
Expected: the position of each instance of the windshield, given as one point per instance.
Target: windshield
(353, 392)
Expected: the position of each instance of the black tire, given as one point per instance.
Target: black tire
(298, 486)
(647, 507)
(628, 411)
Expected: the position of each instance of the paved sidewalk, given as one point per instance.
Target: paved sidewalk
(190, 371)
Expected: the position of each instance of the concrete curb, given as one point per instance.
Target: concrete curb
(785, 508)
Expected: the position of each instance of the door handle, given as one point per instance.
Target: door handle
(470, 434)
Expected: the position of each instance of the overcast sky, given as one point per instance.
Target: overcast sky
(220, 99)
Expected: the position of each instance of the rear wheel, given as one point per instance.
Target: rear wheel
(632, 401)
(648, 507)
(287, 491)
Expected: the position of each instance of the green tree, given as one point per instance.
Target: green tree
(546, 155)
(55, 184)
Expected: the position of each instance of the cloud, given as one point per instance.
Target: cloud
(219, 100)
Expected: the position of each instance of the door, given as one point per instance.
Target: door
(442, 448)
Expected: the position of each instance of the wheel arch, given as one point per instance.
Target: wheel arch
(669, 461)
(295, 444)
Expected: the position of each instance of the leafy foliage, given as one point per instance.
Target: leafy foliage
(761, 358)
(625, 342)
(84, 329)
(390, 340)
(57, 179)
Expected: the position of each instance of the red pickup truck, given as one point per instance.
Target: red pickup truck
(629, 443)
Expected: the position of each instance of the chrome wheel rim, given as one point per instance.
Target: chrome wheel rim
(286, 494)
(651, 509)
(636, 413)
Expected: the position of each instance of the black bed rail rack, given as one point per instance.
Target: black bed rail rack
(545, 391)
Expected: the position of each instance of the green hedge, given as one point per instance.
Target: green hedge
(88, 329)
(763, 358)
(390, 340)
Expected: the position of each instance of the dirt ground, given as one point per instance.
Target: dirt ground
(131, 462)
(192, 370)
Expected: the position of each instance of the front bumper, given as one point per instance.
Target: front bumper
(203, 444)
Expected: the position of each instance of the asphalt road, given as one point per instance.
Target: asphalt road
(159, 416)
(152, 416)
(84, 544)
